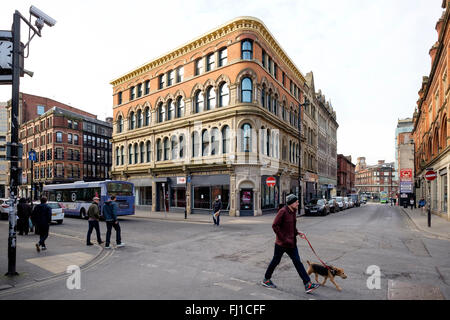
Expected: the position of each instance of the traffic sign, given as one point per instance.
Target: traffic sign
(32, 155)
(271, 181)
(430, 175)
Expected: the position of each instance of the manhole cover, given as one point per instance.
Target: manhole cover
(398, 290)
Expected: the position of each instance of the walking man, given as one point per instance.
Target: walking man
(411, 203)
(110, 214)
(42, 216)
(94, 217)
(24, 213)
(284, 226)
(216, 213)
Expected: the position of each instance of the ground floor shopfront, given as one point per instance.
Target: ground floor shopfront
(243, 191)
(436, 192)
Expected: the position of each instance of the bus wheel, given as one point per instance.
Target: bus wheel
(83, 214)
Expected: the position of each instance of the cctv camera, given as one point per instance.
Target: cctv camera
(42, 16)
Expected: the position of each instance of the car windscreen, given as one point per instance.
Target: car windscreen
(312, 202)
(54, 205)
(321, 202)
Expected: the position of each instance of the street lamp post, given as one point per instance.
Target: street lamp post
(304, 104)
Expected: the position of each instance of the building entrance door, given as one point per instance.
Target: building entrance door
(246, 202)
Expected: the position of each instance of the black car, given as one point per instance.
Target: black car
(334, 206)
(317, 207)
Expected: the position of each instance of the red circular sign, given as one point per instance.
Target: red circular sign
(271, 181)
(430, 175)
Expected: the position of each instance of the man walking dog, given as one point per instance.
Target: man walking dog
(284, 226)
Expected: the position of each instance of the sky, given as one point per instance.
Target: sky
(368, 57)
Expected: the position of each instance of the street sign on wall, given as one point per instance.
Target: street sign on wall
(271, 181)
(430, 175)
(406, 175)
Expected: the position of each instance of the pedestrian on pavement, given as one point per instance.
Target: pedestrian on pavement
(421, 203)
(110, 214)
(217, 206)
(411, 203)
(24, 214)
(42, 217)
(94, 217)
(284, 226)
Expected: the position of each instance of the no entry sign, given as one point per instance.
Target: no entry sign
(430, 175)
(271, 181)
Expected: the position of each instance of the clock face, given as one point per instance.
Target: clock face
(6, 53)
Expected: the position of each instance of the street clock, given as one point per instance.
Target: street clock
(6, 57)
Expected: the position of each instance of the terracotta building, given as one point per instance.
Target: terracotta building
(430, 133)
(218, 116)
(370, 180)
(345, 176)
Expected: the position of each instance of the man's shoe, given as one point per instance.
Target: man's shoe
(120, 245)
(107, 247)
(89, 244)
(44, 248)
(268, 283)
(100, 242)
(310, 287)
(38, 249)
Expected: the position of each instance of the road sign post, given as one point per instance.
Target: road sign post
(430, 175)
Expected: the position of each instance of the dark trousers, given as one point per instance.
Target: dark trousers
(93, 224)
(295, 257)
(216, 221)
(43, 234)
(23, 225)
(109, 226)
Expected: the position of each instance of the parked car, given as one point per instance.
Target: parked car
(334, 205)
(341, 203)
(346, 200)
(4, 208)
(317, 207)
(355, 198)
(57, 211)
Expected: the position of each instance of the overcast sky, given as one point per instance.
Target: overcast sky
(368, 56)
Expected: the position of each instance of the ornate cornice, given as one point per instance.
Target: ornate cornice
(240, 23)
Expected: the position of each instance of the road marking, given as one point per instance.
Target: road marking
(59, 263)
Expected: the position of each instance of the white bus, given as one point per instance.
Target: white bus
(77, 197)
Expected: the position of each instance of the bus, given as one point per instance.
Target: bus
(384, 197)
(77, 197)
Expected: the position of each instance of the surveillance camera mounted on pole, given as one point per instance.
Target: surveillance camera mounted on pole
(42, 18)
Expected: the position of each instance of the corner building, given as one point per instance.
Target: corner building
(216, 116)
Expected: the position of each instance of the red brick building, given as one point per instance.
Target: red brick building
(345, 175)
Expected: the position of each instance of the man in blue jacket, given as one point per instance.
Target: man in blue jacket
(42, 217)
(110, 214)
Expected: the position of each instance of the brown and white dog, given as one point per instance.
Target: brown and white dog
(319, 269)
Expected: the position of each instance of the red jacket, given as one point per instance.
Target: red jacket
(285, 227)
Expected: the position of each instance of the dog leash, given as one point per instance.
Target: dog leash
(316, 253)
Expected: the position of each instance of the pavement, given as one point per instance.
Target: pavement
(34, 267)
(440, 227)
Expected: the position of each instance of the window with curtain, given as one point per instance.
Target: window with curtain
(139, 119)
(147, 116)
(161, 112)
(180, 74)
(223, 59)
(205, 143)
(215, 140)
(224, 95)
(198, 66)
(198, 102)
(246, 90)
(246, 138)
(210, 62)
(132, 121)
(171, 108)
(180, 107)
(210, 99)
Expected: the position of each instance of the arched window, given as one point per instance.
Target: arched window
(224, 95)
(269, 101)
(275, 104)
(205, 143)
(195, 144)
(174, 145)
(117, 156)
(158, 150)
(247, 49)
(198, 102)
(130, 154)
(119, 124)
(166, 148)
(225, 139)
(283, 110)
(171, 108)
(290, 151)
(142, 151)
(215, 140)
(147, 116)
(180, 107)
(149, 151)
(161, 112)
(136, 153)
(263, 96)
(246, 90)
(182, 144)
(132, 121)
(139, 119)
(246, 138)
(210, 99)
(122, 156)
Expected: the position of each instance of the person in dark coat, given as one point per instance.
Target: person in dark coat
(217, 206)
(42, 217)
(284, 226)
(24, 213)
(110, 209)
(94, 217)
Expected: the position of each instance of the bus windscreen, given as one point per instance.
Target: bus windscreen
(119, 189)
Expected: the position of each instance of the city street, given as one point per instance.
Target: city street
(166, 259)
